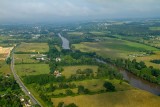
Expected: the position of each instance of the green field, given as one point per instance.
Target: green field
(94, 85)
(33, 47)
(98, 33)
(75, 33)
(97, 84)
(130, 98)
(147, 59)
(69, 70)
(36, 95)
(32, 69)
(155, 28)
(24, 58)
(4, 68)
(113, 48)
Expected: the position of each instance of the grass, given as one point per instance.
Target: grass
(58, 48)
(69, 70)
(98, 33)
(130, 98)
(154, 28)
(25, 58)
(4, 68)
(32, 69)
(56, 92)
(75, 33)
(33, 47)
(31, 89)
(95, 85)
(147, 59)
(114, 48)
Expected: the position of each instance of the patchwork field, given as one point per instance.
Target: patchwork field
(33, 47)
(113, 48)
(130, 98)
(32, 69)
(69, 70)
(116, 48)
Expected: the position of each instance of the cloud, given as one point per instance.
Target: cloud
(59, 10)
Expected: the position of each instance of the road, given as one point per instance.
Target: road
(23, 87)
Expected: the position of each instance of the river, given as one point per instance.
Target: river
(132, 79)
(138, 82)
(65, 42)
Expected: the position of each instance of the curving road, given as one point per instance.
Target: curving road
(18, 80)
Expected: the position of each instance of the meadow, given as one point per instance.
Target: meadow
(24, 58)
(98, 33)
(33, 47)
(154, 28)
(129, 98)
(147, 59)
(32, 69)
(113, 47)
(4, 68)
(75, 33)
(69, 70)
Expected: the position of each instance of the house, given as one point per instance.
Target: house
(57, 74)
(41, 58)
(44, 55)
(33, 56)
(58, 59)
(21, 99)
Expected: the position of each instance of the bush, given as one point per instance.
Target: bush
(109, 86)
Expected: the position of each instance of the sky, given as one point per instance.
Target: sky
(41, 11)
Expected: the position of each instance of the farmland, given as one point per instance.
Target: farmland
(147, 59)
(103, 60)
(33, 47)
(4, 68)
(155, 28)
(69, 70)
(24, 58)
(128, 98)
(32, 69)
(114, 47)
(75, 33)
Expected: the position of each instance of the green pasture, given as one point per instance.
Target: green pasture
(32, 69)
(32, 47)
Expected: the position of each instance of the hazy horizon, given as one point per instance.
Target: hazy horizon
(54, 11)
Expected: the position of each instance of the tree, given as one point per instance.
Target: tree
(69, 92)
(52, 88)
(71, 105)
(81, 89)
(109, 86)
(60, 104)
(8, 60)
